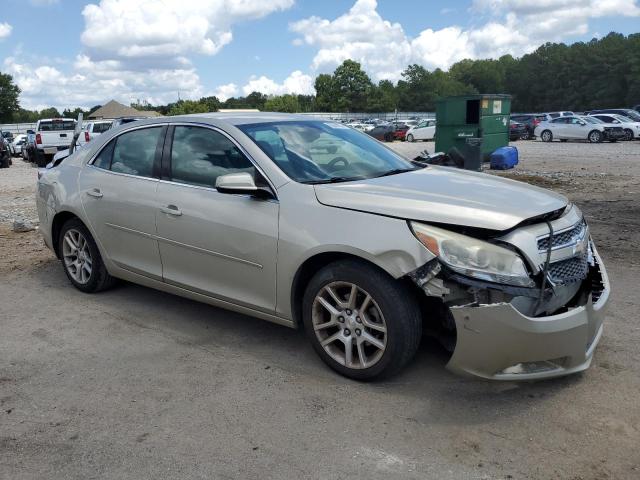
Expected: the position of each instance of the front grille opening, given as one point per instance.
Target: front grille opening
(563, 238)
(573, 269)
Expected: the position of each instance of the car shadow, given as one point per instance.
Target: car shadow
(443, 397)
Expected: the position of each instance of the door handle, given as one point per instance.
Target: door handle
(171, 210)
(96, 193)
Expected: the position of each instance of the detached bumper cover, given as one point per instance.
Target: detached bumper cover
(497, 342)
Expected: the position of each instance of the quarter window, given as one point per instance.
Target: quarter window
(103, 160)
(200, 155)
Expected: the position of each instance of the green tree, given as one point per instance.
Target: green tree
(351, 85)
(50, 112)
(382, 97)
(9, 93)
(184, 107)
(256, 100)
(324, 93)
(282, 103)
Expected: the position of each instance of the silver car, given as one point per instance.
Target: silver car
(312, 224)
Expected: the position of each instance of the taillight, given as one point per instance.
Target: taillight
(38, 139)
(535, 122)
(86, 136)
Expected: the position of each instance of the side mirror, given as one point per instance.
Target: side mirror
(241, 183)
(582, 123)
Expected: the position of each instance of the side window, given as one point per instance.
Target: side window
(134, 152)
(200, 155)
(103, 160)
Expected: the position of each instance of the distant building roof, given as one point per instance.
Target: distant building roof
(115, 109)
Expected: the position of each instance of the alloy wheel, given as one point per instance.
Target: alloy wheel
(349, 325)
(77, 256)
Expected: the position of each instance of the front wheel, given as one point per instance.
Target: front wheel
(546, 136)
(360, 321)
(410, 138)
(628, 135)
(81, 258)
(595, 136)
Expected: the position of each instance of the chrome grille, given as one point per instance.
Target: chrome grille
(563, 238)
(570, 270)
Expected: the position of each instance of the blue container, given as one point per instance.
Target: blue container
(504, 158)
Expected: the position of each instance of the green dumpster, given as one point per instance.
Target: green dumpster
(462, 118)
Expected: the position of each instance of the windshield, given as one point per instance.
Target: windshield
(322, 152)
(592, 120)
(633, 115)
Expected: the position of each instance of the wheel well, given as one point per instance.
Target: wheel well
(307, 270)
(58, 221)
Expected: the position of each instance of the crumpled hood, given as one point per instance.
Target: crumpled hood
(444, 195)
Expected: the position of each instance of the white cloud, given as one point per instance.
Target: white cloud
(504, 26)
(296, 83)
(143, 32)
(139, 50)
(226, 91)
(5, 30)
(360, 34)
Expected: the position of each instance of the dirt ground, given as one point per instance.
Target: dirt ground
(135, 383)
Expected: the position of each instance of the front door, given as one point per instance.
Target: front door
(118, 193)
(218, 244)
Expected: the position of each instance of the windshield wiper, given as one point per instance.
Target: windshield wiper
(332, 180)
(395, 171)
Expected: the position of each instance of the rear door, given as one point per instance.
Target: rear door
(219, 244)
(118, 193)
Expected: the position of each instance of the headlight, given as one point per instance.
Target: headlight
(472, 257)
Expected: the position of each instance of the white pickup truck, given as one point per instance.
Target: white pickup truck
(52, 135)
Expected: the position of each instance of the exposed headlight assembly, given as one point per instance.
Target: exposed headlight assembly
(472, 257)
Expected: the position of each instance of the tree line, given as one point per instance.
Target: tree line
(600, 73)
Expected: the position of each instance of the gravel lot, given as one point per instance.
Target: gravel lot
(134, 383)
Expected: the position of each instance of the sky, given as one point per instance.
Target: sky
(75, 53)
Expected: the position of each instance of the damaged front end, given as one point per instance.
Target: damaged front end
(520, 332)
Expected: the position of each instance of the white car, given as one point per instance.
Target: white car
(94, 129)
(16, 145)
(424, 130)
(631, 128)
(577, 128)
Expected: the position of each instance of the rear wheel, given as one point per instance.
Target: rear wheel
(81, 258)
(595, 136)
(410, 138)
(546, 136)
(360, 321)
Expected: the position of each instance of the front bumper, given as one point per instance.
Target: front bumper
(496, 341)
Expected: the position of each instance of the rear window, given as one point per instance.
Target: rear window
(55, 125)
(101, 127)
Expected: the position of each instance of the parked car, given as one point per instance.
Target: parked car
(637, 108)
(7, 138)
(517, 130)
(29, 150)
(531, 121)
(384, 133)
(17, 143)
(577, 128)
(361, 247)
(424, 130)
(627, 112)
(631, 129)
(400, 131)
(94, 129)
(53, 135)
(563, 113)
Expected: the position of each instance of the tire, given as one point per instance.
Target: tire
(391, 307)
(595, 136)
(388, 137)
(525, 135)
(410, 138)
(546, 136)
(628, 134)
(97, 279)
(5, 160)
